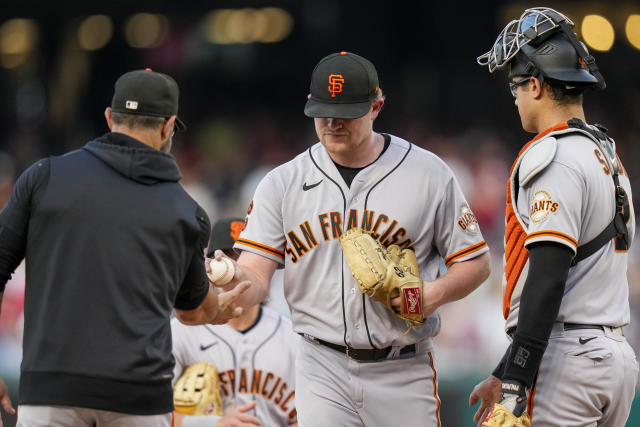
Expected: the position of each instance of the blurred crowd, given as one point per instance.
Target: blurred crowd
(222, 161)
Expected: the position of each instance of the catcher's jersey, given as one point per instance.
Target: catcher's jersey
(408, 196)
(255, 365)
(570, 202)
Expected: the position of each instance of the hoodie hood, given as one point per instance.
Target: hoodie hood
(134, 159)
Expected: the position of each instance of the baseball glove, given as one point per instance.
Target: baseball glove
(502, 417)
(197, 392)
(384, 274)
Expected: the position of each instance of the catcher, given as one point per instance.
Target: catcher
(359, 357)
(569, 224)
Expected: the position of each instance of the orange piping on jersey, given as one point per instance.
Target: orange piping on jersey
(466, 251)
(515, 254)
(435, 387)
(550, 233)
(173, 419)
(264, 248)
(531, 397)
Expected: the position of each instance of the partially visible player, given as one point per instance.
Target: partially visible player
(254, 355)
(569, 224)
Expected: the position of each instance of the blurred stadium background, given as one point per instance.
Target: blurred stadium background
(243, 67)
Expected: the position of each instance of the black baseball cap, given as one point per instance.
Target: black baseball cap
(343, 86)
(224, 234)
(147, 93)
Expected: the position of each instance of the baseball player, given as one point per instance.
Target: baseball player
(254, 355)
(569, 224)
(359, 363)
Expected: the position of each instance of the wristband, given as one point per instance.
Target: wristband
(498, 372)
(524, 359)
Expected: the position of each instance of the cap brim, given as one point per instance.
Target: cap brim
(180, 124)
(356, 110)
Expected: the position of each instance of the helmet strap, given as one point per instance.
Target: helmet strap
(589, 60)
(532, 70)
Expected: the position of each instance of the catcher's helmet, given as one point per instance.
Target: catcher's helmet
(542, 44)
(555, 59)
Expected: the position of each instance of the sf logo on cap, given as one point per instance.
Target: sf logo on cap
(335, 84)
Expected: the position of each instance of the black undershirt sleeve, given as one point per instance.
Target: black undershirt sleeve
(549, 265)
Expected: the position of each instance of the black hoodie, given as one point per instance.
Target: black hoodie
(112, 244)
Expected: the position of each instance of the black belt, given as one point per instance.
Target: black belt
(567, 327)
(574, 326)
(362, 354)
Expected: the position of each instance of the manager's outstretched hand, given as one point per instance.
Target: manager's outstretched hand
(227, 302)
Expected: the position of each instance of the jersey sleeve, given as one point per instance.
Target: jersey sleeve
(554, 206)
(263, 231)
(457, 232)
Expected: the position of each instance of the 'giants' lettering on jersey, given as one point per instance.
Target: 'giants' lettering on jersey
(329, 227)
(262, 383)
(541, 206)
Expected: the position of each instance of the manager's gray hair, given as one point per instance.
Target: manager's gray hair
(134, 121)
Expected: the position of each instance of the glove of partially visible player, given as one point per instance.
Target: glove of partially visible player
(384, 274)
(197, 392)
(510, 411)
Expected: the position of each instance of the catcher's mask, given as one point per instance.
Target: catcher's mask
(541, 43)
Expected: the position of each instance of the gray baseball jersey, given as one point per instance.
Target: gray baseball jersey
(565, 193)
(408, 196)
(570, 201)
(257, 365)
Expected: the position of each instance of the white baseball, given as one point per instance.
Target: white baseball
(221, 272)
